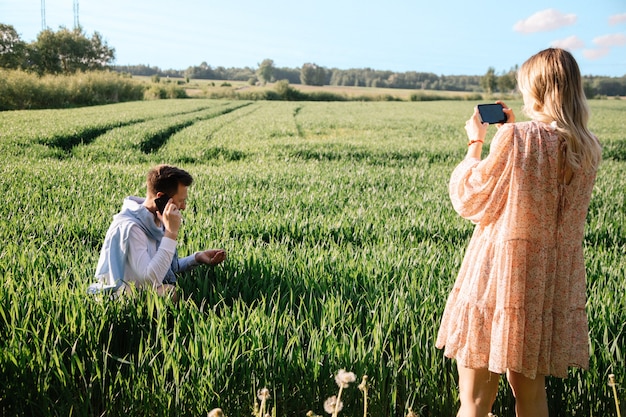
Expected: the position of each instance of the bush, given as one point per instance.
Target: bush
(286, 92)
(157, 92)
(325, 96)
(21, 90)
(18, 90)
(154, 92)
(420, 96)
(474, 97)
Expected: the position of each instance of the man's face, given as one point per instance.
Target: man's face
(180, 198)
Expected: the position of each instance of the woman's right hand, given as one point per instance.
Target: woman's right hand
(510, 116)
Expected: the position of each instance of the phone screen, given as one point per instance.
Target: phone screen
(161, 202)
(491, 113)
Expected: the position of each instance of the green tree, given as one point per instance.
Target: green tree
(12, 48)
(312, 74)
(611, 86)
(68, 51)
(204, 71)
(265, 72)
(489, 81)
(590, 91)
(507, 82)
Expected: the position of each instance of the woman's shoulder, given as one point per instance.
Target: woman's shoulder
(532, 129)
(533, 125)
(505, 132)
(510, 134)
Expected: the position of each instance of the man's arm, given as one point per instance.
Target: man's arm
(146, 268)
(210, 257)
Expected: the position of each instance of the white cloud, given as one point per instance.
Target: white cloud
(608, 41)
(617, 19)
(594, 54)
(571, 43)
(604, 43)
(544, 21)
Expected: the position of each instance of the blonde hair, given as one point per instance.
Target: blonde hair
(553, 92)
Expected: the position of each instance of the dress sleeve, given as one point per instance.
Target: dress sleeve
(479, 188)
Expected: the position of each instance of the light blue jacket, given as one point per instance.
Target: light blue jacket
(114, 251)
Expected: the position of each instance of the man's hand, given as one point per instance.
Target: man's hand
(171, 219)
(211, 257)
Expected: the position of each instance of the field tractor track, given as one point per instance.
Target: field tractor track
(231, 121)
(299, 128)
(88, 133)
(155, 141)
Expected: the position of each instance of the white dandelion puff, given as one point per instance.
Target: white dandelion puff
(331, 405)
(343, 378)
(263, 394)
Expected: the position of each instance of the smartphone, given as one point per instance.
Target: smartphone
(161, 202)
(492, 113)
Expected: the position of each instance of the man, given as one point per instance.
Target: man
(140, 246)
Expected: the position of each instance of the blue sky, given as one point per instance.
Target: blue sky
(451, 37)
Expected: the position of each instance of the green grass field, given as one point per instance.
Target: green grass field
(342, 247)
(225, 88)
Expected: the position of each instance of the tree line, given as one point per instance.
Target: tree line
(313, 74)
(69, 51)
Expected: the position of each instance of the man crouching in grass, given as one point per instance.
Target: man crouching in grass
(140, 246)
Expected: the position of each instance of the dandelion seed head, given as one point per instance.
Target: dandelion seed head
(344, 378)
(216, 412)
(363, 384)
(612, 380)
(331, 403)
(263, 394)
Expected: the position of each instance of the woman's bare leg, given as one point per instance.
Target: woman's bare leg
(477, 391)
(530, 395)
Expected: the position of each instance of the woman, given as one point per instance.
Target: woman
(518, 304)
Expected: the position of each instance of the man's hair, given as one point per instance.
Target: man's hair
(165, 179)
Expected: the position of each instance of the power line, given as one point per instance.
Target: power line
(76, 22)
(43, 14)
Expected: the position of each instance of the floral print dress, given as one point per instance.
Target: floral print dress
(519, 299)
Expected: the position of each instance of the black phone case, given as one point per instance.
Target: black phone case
(491, 113)
(161, 202)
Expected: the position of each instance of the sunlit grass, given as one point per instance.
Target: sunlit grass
(342, 246)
